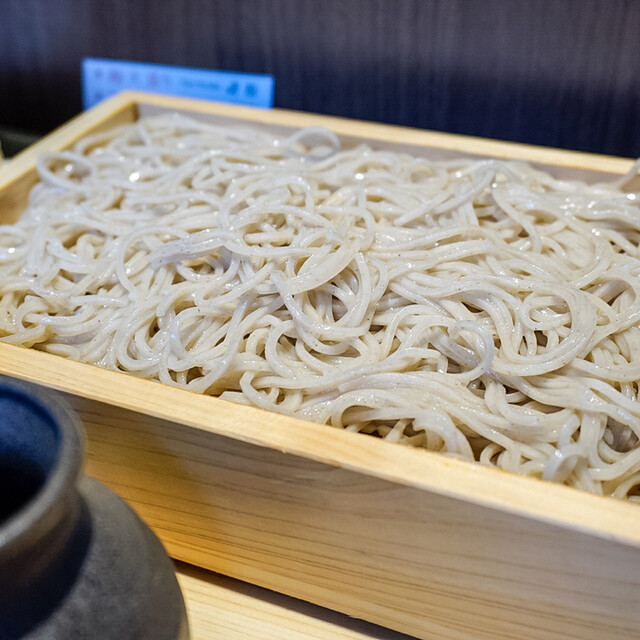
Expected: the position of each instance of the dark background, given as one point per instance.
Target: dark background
(562, 73)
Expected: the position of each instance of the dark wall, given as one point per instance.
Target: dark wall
(556, 72)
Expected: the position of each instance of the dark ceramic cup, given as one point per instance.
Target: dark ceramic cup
(76, 562)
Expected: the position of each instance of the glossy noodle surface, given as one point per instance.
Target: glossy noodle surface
(478, 308)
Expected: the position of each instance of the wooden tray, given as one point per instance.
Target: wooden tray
(404, 538)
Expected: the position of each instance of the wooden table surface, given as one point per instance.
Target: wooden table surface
(227, 609)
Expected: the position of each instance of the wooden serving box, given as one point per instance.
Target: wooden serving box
(408, 539)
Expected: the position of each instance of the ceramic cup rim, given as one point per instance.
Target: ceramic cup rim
(44, 510)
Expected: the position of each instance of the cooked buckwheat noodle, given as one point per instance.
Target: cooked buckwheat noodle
(478, 308)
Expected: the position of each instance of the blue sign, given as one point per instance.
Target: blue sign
(102, 78)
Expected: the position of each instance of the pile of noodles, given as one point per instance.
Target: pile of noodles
(477, 308)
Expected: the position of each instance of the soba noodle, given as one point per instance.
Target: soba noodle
(477, 308)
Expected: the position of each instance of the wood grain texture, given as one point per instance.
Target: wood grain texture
(417, 542)
(491, 488)
(352, 523)
(220, 608)
(561, 74)
(399, 556)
